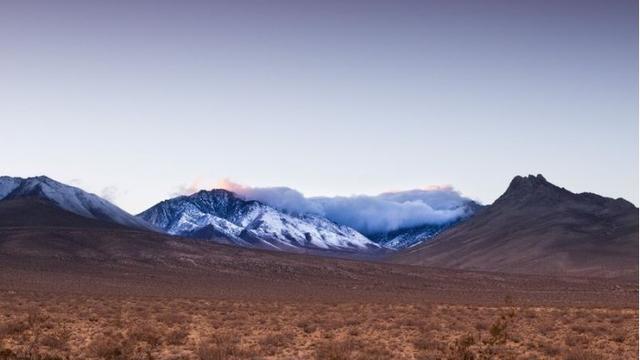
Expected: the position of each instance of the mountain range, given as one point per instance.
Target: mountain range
(538, 227)
(223, 216)
(69, 198)
(534, 227)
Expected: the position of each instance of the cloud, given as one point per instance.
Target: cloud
(111, 193)
(75, 182)
(281, 197)
(367, 214)
(195, 186)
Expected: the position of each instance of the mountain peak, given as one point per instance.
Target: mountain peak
(527, 181)
(536, 226)
(42, 178)
(219, 213)
(537, 191)
(69, 198)
(533, 189)
(214, 192)
(530, 183)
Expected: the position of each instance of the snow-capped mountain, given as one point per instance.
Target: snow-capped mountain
(407, 237)
(220, 214)
(224, 216)
(68, 198)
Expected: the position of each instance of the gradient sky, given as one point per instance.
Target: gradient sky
(138, 98)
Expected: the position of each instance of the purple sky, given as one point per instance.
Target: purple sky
(138, 98)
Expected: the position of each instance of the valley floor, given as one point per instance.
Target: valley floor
(49, 326)
(166, 298)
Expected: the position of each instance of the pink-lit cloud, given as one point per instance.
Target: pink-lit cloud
(366, 213)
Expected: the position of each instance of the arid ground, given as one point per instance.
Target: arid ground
(110, 327)
(107, 294)
(356, 311)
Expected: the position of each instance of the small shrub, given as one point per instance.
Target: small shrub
(575, 340)
(34, 317)
(13, 327)
(146, 333)
(271, 343)
(460, 349)
(550, 349)
(546, 326)
(6, 354)
(619, 336)
(54, 342)
(307, 326)
(579, 328)
(336, 350)
(482, 325)
(219, 347)
(498, 332)
(177, 336)
(530, 314)
(109, 348)
(173, 318)
(424, 344)
(578, 354)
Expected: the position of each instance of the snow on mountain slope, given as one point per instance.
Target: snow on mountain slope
(408, 237)
(216, 213)
(7, 185)
(405, 238)
(68, 198)
(227, 217)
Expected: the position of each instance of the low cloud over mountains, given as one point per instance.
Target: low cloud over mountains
(365, 213)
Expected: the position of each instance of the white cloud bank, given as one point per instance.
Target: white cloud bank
(367, 214)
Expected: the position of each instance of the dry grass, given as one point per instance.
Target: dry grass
(78, 327)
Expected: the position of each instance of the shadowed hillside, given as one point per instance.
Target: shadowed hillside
(537, 227)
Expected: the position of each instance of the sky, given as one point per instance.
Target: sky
(137, 100)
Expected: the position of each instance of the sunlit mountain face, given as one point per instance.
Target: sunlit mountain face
(282, 218)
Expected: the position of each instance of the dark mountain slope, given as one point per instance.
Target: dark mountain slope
(69, 198)
(37, 212)
(537, 227)
(46, 249)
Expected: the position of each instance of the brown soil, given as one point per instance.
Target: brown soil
(90, 293)
(36, 325)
